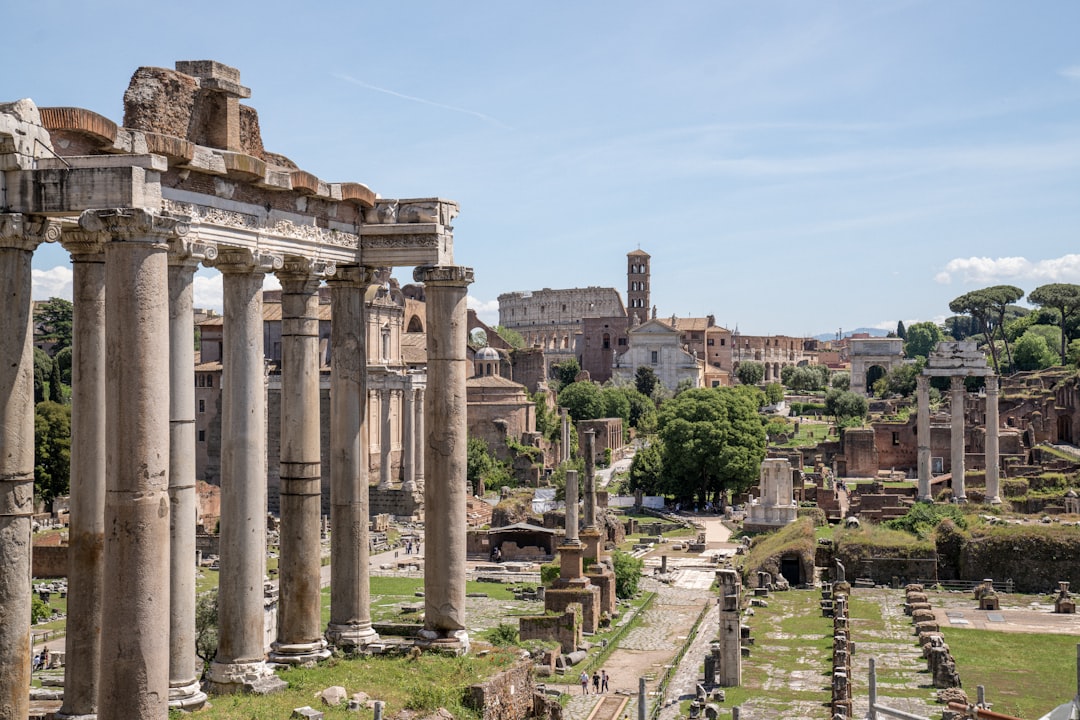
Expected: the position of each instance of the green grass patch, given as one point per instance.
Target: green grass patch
(1025, 674)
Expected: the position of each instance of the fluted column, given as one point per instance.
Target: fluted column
(134, 680)
(922, 427)
(350, 593)
(408, 438)
(19, 236)
(419, 452)
(446, 491)
(957, 401)
(993, 480)
(86, 528)
(385, 444)
(240, 662)
(300, 632)
(185, 668)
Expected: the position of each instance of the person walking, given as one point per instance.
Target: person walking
(603, 681)
(596, 683)
(584, 683)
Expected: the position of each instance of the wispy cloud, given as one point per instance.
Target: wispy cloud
(423, 101)
(486, 310)
(986, 270)
(54, 282)
(1072, 72)
(206, 292)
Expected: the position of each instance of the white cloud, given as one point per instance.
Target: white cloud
(1072, 72)
(206, 291)
(54, 282)
(486, 310)
(987, 270)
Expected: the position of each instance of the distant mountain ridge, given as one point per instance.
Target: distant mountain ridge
(872, 332)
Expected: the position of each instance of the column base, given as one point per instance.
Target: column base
(994, 500)
(456, 643)
(299, 653)
(409, 486)
(351, 638)
(58, 715)
(927, 499)
(243, 677)
(187, 697)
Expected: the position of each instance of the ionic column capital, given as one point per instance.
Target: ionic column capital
(19, 231)
(242, 261)
(135, 224)
(185, 251)
(359, 275)
(448, 275)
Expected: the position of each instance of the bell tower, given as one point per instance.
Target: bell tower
(637, 285)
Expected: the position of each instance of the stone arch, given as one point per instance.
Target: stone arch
(873, 374)
(415, 324)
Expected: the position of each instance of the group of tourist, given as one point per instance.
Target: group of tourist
(41, 659)
(599, 682)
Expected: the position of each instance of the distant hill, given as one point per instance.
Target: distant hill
(873, 332)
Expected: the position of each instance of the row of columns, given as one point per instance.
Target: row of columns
(412, 430)
(957, 395)
(133, 484)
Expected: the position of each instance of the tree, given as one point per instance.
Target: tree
(1065, 299)
(63, 359)
(646, 470)
(206, 627)
(900, 331)
(645, 380)
(54, 318)
(1034, 353)
(713, 442)
(566, 372)
(922, 338)
(616, 404)
(845, 406)
(52, 449)
(582, 400)
(627, 569)
(42, 369)
(56, 392)
(841, 381)
(479, 464)
(774, 392)
(900, 379)
(512, 337)
(988, 308)
(750, 372)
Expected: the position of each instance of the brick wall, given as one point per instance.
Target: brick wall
(506, 696)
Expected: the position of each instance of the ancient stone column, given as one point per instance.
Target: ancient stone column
(408, 438)
(564, 427)
(385, 438)
(993, 480)
(350, 594)
(956, 388)
(240, 663)
(185, 668)
(589, 520)
(572, 508)
(922, 429)
(134, 680)
(19, 236)
(420, 452)
(445, 456)
(300, 632)
(86, 528)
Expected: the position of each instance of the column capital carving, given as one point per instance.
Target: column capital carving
(186, 251)
(25, 232)
(246, 262)
(956, 383)
(359, 275)
(135, 224)
(301, 268)
(922, 381)
(453, 275)
(83, 243)
(991, 384)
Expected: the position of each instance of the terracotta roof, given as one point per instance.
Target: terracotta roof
(638, 253)
(690, 323)
(208, 366)
(493, 381)
(414, 348)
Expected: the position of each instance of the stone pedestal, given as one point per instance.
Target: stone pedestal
(299, 608)
(729, 672)
(446, 491)
(350, 594)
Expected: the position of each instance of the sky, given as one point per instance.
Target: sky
(791, 167)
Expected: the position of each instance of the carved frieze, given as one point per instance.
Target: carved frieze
(26, 232)
(130, 224)
(448, 274)
(280, 227)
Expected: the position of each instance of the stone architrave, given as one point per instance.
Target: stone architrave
(446, 491)
(240, 662)
(957, 393)
(86, 528)
(993, 479)
(922, 429)
(300, 633)
(350, 593)
(134, 681)
(185, 668)
(19, 236)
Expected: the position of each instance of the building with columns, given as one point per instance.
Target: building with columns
(186, 181)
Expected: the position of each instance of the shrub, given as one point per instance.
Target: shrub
(503, 634)
(549, 572)
(39, 610)
(627, 574)
(922, 518)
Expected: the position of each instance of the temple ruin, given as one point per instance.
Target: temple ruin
(184, 182)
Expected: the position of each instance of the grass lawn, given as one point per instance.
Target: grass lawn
(809, 434)
(1025, 674)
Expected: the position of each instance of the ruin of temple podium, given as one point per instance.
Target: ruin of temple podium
(186, 181)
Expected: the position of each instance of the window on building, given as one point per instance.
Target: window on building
(622, 342)
(202, 406)
(654, 357)
(202, 436)
(710, 342)
(209, 381)
(896, 438)
(607, 341)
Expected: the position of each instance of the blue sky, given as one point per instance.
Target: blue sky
(791, 167)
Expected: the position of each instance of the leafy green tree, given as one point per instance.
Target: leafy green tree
(841, 380)
(961, 327)
(922, 518)
(900, 379)
(774, 392)
(808, 378)
(206, 627)
(482, 469)
(750, 372)
(845, 406)
(645, 380)
(627, 570)
(63, 359)
(54, 317)
(900, 331)
(52, 449)
(646, 470)
(988, 307)
(713, 442)
(56, 391)
(616, 403)
(1065, 299)
(1033, 352)
(786, 374)
(583, 400)
(42, 369)
(566, 372)
(512, 337)
(922, 338)
(642, 410)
